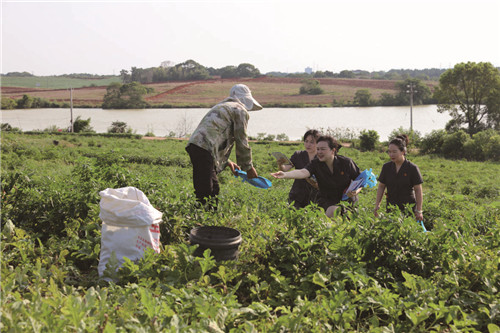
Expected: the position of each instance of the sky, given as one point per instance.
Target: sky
(104, 37)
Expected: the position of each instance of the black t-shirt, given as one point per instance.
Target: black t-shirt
(400, 185)
(301, 192)
(332, 186)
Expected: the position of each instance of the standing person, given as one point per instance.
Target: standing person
(211, 143)
(402, 179)
(303, 191)
(333, 174)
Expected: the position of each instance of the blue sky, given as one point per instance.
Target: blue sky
(103, 37)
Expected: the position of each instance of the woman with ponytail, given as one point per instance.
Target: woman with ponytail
(402, 179)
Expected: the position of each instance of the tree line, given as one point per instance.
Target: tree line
(192, 70)
(188, 70)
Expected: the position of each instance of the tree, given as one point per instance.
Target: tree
(228, 72)
(125, 76)
(470, 93)
(421, 92)
(363, 97)
(347, 74)
(247, 70)
(125, 96)
(25, 102)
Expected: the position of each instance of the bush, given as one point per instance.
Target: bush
(81, 125)
(453, 144)
(492, 149)
(310, 87)
(478, 147)
(368, 140)
(8, 103)
(119, 127)
(414, 136)
(433, 142)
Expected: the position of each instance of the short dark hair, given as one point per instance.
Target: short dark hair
(332, 142)
(312, 132)
(401, 141)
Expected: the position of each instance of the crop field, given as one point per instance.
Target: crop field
(270, 91)
(54, 82)
(297, 271)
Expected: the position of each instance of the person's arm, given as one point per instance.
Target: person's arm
(243, 150)
(380, 194)
(419, 197)
(285, 167)
(294, 174)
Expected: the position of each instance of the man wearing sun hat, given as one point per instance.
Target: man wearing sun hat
(209, 147)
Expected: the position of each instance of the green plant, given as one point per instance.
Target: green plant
(368, 140)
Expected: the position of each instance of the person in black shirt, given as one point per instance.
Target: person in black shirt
(402, 179)
(303, 191)
(333, 174)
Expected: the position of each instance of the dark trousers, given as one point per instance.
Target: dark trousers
(205, 181)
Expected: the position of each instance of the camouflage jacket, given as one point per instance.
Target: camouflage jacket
(223, 126)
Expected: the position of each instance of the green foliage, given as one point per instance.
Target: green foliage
(421, 92)
(484, 145)
(297, 271)
(125, 96)
(8, 128)
(82, 125)
(453, 144)
(368, 140)
(363, 97)
(8, 103)
(119, 127)
(470, 92)
(433, 142)
(414, 137)
(310, 87)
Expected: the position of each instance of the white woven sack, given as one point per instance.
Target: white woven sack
(130, 224)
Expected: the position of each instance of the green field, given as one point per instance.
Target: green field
(54, 82)
(297, 272)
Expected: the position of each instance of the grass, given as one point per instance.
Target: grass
(54, 82)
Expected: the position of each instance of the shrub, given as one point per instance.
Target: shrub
(414, 136)
(433, 142)
(453, 144)
(81, 125)
(476, 148)
(119, 127)
(8, 103)
(310, 87)
(492, 149)
(368, 140)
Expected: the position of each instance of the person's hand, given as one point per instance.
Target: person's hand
(252, 173)
(375, 211)
(279, 175)
(419, 216)
(354, 194)
(233, 166)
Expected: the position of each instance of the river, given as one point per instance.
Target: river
(291, 121)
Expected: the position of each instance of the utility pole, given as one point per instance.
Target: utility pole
(411, 90)
(71, 108)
